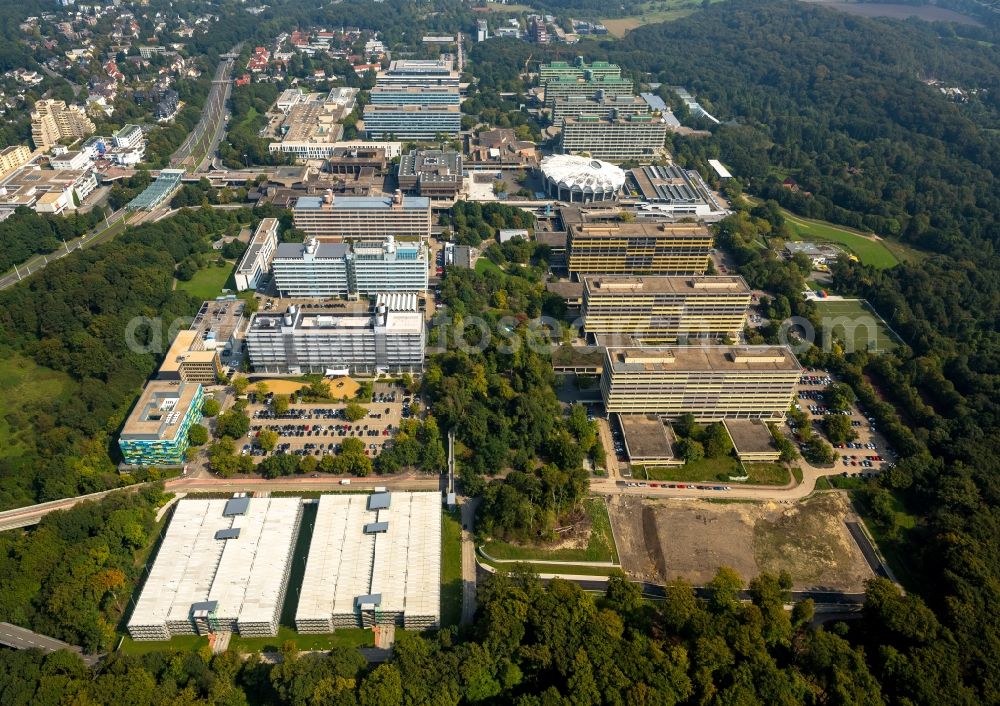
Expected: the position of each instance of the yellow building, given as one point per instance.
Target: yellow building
(638, 248)
(53, 120)
(664, 310)
(13, 157)
(188, 360)
(710, 382)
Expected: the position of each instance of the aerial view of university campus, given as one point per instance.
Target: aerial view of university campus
(454, 352)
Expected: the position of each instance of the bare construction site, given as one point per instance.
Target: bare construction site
(661, 540)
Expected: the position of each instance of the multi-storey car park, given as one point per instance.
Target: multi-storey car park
(334, 338)
(640, 248)
(373, 560)
(664, 310)
(223, 566)
(338, 218)
(710, 382)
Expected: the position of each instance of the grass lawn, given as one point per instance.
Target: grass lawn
(23, 380)
(208, 282)
(484, 264)
(869, 251)
(566, 569)
(709, 470)
(451, 568)
(181, 643)
(898, 550)
(869, 330)
(600, 547)
(651, 12)
(347, 637)
(767, 474)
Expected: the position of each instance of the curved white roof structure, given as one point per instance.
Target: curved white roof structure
(583, 175)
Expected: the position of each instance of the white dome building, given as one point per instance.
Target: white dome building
(572, 178)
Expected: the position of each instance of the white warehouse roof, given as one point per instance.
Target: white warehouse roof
(583, 174)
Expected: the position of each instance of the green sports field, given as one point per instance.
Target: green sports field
(853, 322)
(868, 250)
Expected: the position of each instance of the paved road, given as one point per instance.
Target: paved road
(23, 639)
(193, 154)
(469, 563)
(32, 514)
(113, 225)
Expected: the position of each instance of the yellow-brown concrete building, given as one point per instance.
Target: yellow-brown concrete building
(665, 310)
(710, 382)
(638, 248)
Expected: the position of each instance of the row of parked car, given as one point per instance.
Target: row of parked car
(680, 486)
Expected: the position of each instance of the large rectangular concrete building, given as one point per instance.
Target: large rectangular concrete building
(411, 121)
(418, 73)
(710, 382)
(256, 260)
(314, 269)
(223, 566)
(633, 137)
(317, 340)
(607, 86)
(373, 560)
(638, 248)
(338, 218)
(665, 310)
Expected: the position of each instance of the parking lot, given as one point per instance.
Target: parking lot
(319, 428)
(869, 453)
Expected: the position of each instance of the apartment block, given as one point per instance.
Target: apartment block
(53, 120)
(338, 218)
(315, 269)
(156, 431)
(335, 339)
(412, 122)
(257, 259)
(710, 382)
(13, 157)
(641, 248)
(665, 310)
(636, 137)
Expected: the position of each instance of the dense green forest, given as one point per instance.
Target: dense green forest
(26, 233)
(74, 318)
(71, 577)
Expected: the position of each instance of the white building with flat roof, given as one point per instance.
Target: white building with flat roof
(301, 341)
(374, 560)
(257, 259)
(317, 269)
(223, 566)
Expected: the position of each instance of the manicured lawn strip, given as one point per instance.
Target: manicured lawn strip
(870, 252)
(451, 569)
(181, 643)
(207, 282)
(484, 264)
(564, 569)
(345, 637)
(705, 470)
(601, 546)
(766, 474)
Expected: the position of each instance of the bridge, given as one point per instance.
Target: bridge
(23, 639)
